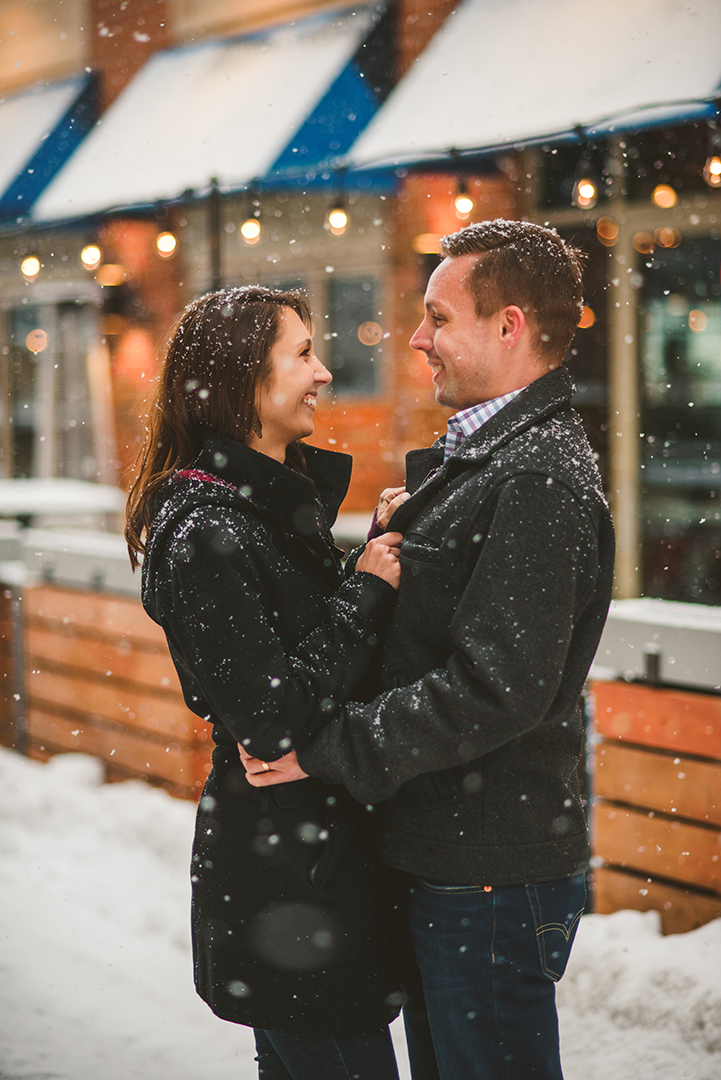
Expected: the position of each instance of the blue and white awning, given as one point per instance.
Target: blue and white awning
(284, 102)
(501, 74)
(39, 130)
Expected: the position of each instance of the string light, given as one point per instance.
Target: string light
(30, 267)
(585, 188)
(585, 193)
(338, 218)
(712, 168)
(90, 256)
(166, 243)
(250, 230)
(463, 201)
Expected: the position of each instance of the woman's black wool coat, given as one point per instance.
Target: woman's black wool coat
(266, 636)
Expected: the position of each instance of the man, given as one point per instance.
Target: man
(470, 753)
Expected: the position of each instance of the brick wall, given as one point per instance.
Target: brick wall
(418, 21)
(122, 37)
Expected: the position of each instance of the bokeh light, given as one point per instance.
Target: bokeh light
(110, 274)
(36, 341)
(667, 237)
(588, 318)
(697, 321)
(643, 243)
(427, 243)
(370, 333)
(607, 231)
(664, 196)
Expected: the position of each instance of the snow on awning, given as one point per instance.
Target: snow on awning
(39, 129)
(501, 73)
(286, 99)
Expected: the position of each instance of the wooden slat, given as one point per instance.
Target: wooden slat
(123, 748)
(7, 733)
(50, 647)
(658, 846)
(659, 781)
(675, 720)
(111, 616)
(158, 714)
(681, 909)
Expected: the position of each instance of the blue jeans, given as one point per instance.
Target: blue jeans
(325, 1057)
(489, 959)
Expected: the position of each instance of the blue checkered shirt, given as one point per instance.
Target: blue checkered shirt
(467, 421)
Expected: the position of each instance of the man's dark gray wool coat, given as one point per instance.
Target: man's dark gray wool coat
(472, 749)
(265, 636)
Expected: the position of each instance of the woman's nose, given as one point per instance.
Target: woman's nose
(321, 373)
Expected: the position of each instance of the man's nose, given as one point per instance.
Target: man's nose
(420, 340)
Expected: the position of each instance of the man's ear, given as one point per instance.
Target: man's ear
(512, 322)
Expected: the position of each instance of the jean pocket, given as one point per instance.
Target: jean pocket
(557, 907)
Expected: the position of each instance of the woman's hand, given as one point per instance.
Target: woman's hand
(264, 774)
(388, 503)
(382, 558)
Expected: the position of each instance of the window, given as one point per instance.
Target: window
(354, 335)
(681, 383)
(45, 379)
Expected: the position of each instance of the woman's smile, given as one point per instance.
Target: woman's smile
(289, 396)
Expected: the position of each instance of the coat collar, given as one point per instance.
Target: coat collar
(288, 496)
(426, 471)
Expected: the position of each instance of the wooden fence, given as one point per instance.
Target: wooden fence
(98, 679)
(656, 820)
(7, 710)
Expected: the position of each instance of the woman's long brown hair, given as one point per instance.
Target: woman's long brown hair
(216, 359)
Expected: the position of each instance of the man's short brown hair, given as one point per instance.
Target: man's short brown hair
(530, 266)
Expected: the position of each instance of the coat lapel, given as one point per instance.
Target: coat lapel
(427, 474)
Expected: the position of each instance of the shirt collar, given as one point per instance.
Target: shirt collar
(466, 422)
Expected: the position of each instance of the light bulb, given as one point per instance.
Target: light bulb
(338, 220)
(166, 243)
(585, 193)
(712, 171)
(90, 256)
(463, 201)
(30, 267)
(250, 230)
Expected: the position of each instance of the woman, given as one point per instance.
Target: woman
(240, 570)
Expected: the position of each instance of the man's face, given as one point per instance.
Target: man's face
(468, 355)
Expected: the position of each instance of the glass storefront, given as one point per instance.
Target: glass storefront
(681, 421)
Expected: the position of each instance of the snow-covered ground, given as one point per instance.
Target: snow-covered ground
(95, 968)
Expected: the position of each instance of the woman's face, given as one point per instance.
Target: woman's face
(288, 397)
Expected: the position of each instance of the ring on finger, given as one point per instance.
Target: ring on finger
(266, 766)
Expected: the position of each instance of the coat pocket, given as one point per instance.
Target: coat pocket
(435, 790)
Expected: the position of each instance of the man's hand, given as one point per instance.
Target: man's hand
(388, 503)
(265, 774)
